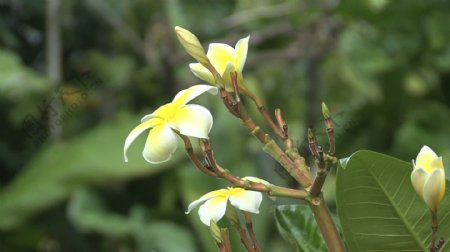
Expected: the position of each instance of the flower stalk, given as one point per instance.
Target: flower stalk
(249, 224)
(215, 170)
(232, 216)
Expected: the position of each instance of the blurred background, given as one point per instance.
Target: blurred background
(77, 76)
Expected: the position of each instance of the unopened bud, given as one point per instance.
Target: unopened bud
(232, 215)
(215, 232)
(310, 135)
(325, 111)
(192, 45)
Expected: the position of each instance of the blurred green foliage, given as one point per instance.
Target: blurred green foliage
(383, 67)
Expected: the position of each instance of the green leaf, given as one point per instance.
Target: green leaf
(60, 168)
(379, 209)
(297, 225)
(87, 213)
(17, 79)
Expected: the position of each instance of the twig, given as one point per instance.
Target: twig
(226, 239)
(262, 110)
(232, 216)
(313, 144)
(434, 231)
(193, 157)
(244, 238)
(271, 190)
(249, 224)
(281, 124)
(297, 169)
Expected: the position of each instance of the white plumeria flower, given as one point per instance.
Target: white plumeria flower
(225, 60)
(188, 119)
(214, 204)
(428, 177)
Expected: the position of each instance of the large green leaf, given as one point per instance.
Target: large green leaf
(297, 225)
(87, 213)
(91, 158)
(379, 209)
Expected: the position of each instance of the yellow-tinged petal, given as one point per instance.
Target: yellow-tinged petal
(192, 120)
(213, 209)
(418, 178)
(161, 143)
(434, 189)
(217, 193)
(201, 72)
(245, 200)
(220, 55)
(437, 163)
(425, 158)
(241, 53)
(186, 95)
(165, 112)
(136, 132)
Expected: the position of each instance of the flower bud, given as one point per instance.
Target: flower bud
(215, 231)
(428, 177)
(325, 111)
(232, 215)
(192, 45)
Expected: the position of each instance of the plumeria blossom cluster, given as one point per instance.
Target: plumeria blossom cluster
(180, 118)
(222, 67)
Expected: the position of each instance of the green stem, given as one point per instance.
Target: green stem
(326, 224)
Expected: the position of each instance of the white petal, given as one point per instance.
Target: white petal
(241, 53)
(186, 95)
(201, 72)
(135, 133)
(205, 197)
(220, 55)
(434, 189)
(418, 177)
(245, 200)
(161, 144)
(192, 120)
(425, 158)
(256, 180)
(213, 209)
